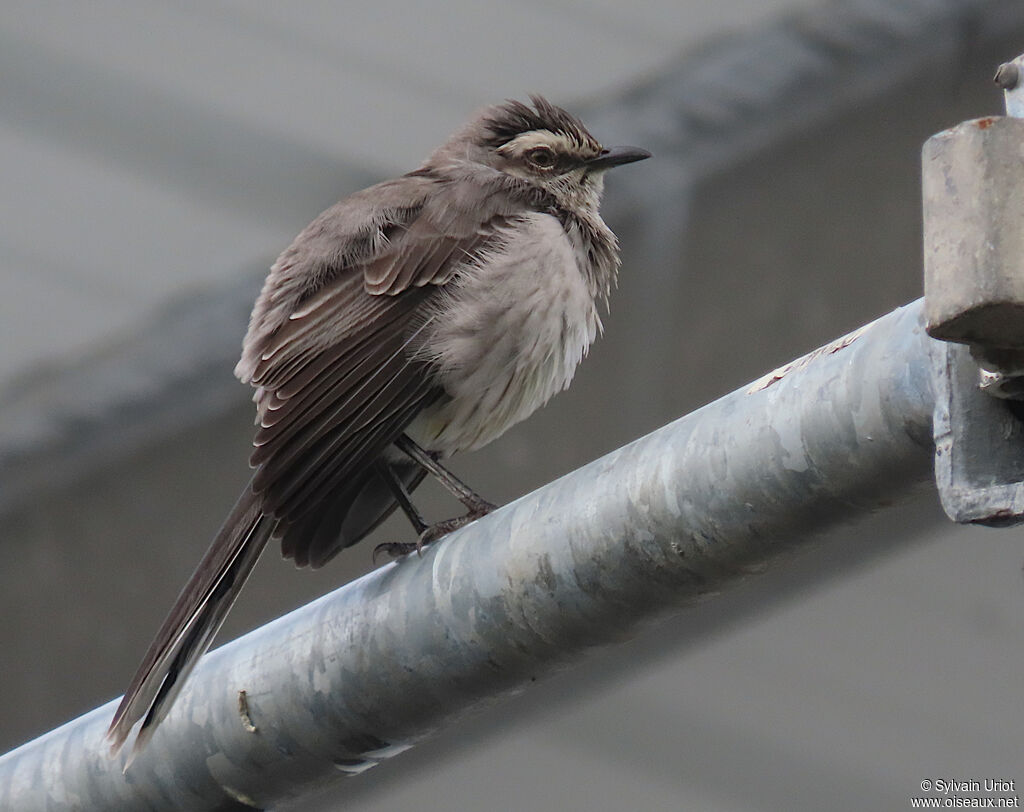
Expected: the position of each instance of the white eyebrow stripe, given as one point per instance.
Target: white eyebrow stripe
(560, 142)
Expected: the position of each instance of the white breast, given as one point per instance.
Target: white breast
(508, 336)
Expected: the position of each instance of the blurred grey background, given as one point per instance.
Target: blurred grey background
(156, 156)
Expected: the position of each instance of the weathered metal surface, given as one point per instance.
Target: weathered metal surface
(979, 445)
(973, 187)
(365, 672)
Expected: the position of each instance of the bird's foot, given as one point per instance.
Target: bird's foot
(443, 528)
(396, 549)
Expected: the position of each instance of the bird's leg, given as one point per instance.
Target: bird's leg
(475, 504)
(402, 496)
(412, 513)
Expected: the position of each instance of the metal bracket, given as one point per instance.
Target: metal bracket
(973, 190)
(979, 445)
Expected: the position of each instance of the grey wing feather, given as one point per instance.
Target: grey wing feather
(337, 380)
(341, 377)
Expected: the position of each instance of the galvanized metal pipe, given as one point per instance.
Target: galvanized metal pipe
(374, 667)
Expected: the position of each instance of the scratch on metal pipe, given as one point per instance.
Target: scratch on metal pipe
(777, 375)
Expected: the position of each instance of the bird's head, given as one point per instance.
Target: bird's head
(542, 146)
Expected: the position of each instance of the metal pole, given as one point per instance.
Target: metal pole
(378, 665)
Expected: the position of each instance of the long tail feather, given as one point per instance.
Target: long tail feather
(197, 614)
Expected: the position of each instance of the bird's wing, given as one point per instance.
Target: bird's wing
(342, 377)
(331, 352)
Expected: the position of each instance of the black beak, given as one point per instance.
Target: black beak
(615, 157)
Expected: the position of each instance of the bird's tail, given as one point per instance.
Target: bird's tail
(193, 621)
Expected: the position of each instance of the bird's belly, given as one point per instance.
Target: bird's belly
(507, 338)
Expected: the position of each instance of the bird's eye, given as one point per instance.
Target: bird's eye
(541, 157)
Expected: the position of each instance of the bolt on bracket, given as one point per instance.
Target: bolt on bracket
(973, 195)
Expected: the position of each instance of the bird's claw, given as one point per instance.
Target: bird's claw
(438, 530)
(396, 549)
